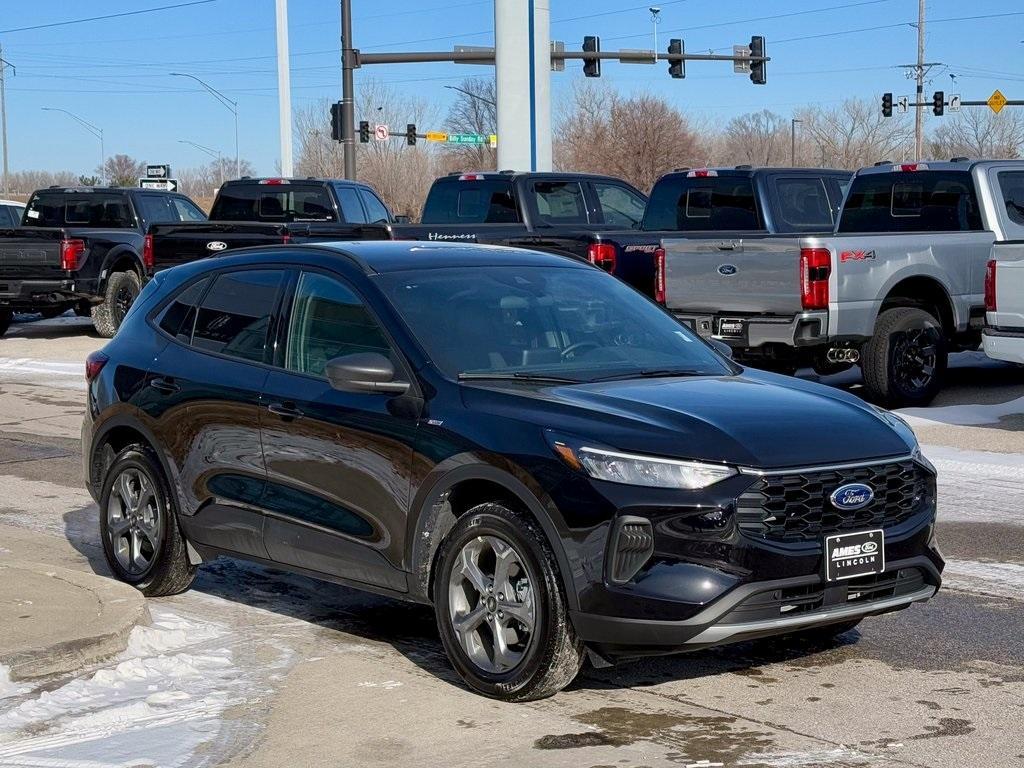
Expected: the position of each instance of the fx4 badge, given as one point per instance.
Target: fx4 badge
(856, 255)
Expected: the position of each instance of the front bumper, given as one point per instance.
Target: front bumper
(763, 609)
(805, 329)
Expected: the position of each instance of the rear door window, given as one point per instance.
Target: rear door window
(7, 216)
(620, 206)
(348, 200)
(1011, 188)
(479, 201)
(559, 202)
(803, 204)
(703, 203)
(157, 209)
(235, 314)
(186, 210)
(179, 317)
(376, 211)
(911, 201)
(83, 209)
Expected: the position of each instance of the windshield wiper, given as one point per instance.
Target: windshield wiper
(515, 376)
(651, 373)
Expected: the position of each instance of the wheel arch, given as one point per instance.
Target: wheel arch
(115, 435)
(121, 259)
(451, 493)
(923, 292)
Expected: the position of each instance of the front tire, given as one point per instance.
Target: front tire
(123, 288)
(904, 362)
(139, 529)
(501, 608)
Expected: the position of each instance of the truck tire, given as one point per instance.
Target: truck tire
(904, 363)
(6, 315)
(122, 290)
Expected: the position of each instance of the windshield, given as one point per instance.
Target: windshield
(566, 323)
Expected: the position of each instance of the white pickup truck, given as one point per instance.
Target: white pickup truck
(896, 287)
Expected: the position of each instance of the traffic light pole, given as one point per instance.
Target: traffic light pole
(349, 61)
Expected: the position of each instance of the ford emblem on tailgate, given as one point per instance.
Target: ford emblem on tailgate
(216, 245)
(852, 496)
(727, 269)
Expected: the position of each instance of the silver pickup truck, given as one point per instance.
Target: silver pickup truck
(896, 287)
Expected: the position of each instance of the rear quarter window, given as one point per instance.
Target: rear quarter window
(912, 201)
(1011, 189)
(680, 203)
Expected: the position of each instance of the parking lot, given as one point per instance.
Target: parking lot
(255, 667)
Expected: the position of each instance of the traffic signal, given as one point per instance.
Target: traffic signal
(336, 121)
(364, 131)
(886, 105)
(591, 67)
(938, 103)
(410, 134)
(676, 69)
(758, 69)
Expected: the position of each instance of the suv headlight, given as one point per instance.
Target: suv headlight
(630, 469)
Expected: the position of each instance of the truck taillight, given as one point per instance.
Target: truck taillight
(815, 268)
(94, 364)
(659, 275)
(148, 260)
(71, 252)
(286, 238)
(990, 286)
(602, 255)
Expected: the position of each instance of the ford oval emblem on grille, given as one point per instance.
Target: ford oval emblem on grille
(852, 496)
(216, 245)
(727, 269)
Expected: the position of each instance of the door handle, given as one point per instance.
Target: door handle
(167, 386)
(285, 411)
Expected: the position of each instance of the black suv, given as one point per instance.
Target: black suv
(520, 439)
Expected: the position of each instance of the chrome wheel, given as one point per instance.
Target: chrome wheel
(133, 522)
(491, 604)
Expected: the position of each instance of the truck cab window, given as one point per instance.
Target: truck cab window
(351, 210)
(709, 203)
(376, 211)
(1011, 184)
(560, 202)
(620, 207)
(481, 201)
(803, 205)
(913, 201)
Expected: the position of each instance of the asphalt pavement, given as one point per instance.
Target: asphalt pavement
(256, 667)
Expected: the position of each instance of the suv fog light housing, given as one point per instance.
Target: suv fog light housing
(630, 546)
(630, 469)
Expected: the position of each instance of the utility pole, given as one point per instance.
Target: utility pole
(919, 114)
(284, 92)
(4, 64)
(792, 140)
(348, 106)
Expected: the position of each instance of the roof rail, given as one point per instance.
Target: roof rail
(883, 162)
(959, 159)
(455, 173)
(507, 171)
(681, 169)
(744, 167)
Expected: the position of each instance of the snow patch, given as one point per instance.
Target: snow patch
(840, 755)
(9, 688)
(967, 415)
(995, 579)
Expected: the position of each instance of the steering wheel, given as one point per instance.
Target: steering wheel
(570, 352)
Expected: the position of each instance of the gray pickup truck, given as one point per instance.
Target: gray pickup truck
(896, 287)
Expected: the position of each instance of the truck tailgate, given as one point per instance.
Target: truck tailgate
(759, 275)
(1009, 314)
(27, 252)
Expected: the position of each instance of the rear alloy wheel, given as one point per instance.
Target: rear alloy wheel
(501, 608)
(905, 361)
(141, 538)
(123, 288)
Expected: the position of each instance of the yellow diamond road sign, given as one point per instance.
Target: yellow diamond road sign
(996, 101)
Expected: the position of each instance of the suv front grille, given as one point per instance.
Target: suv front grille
(796, 507)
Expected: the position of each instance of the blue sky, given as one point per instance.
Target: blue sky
(115, 72)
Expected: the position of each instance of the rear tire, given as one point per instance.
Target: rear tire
(139, 528)
(6, 315)
(123, 288)
(904, 362)
(524, 661)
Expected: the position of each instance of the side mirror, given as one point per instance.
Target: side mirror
(721, 347)
(401, 219)
(364, 372)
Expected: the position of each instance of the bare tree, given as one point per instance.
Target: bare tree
(26, 182)
(637, 138)
(122, 170)
(975, 132)
(402, 174)
(474, 111)
(756, 138)
(853, 135)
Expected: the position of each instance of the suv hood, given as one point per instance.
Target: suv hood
(757, 419)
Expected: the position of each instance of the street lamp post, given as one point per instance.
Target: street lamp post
(792, 140)
(470, 94)
(95, 131)
(212, 153)
(231, 105)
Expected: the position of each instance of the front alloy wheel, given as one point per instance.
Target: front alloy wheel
(491, 604)
(134, 525)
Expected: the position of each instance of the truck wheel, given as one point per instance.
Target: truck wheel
(6, 315)
(904, 363)
(122, 290)
(501, 609)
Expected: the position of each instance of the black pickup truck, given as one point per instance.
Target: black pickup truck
(251, 211)
(556, 212)
(83, 248)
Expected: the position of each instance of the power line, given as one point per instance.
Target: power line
(107, 16)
